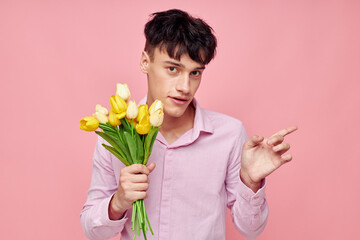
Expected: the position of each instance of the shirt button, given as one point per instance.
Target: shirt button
(256, 197)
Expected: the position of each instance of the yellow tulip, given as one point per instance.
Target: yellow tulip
(132, 110)
(143, 124)
(113, 119)
(143, 110)
(143, 127)
(89, 124)
(123, 91)
(118, 106)
(156, 113)
(101, 114)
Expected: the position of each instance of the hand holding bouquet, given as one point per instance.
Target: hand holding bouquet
(130, 131)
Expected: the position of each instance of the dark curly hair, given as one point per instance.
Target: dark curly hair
(180, 33)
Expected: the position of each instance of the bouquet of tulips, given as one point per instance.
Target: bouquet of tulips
(130, 131)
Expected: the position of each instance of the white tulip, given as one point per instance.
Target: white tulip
(132, 110)
(101, 109)
(123, 91)
(102, 118)
(156, 113)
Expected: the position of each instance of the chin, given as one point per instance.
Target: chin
(174, 113)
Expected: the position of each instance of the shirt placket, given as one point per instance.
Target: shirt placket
(165, 209)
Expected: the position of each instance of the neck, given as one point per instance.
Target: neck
(174, 127)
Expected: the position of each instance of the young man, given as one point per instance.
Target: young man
(197, 153)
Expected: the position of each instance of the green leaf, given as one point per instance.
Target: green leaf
(126, 125)
(123, 145)
(149, 142)
(109, 130)
(153, 139)
(112, 142)
(132, 146)
(116, 154)
(149, 138)
(114, 135)
(106, 127)
(139, 147)
(120, 132)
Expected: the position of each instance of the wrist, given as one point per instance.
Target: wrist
(246, 179)
(115, 211)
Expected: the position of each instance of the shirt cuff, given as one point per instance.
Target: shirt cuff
(255, 199)
(105, 220)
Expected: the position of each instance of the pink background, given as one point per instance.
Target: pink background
(279, 63)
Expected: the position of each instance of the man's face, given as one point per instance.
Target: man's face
(174, 82)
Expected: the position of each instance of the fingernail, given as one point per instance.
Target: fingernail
(276, 148)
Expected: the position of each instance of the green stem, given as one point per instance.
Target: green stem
(134, 227)
(147, 219)
(141, 219)
(133, 217)
(144, 233)
(139, 222)
(132, 129)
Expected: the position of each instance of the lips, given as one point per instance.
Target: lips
(179, 100)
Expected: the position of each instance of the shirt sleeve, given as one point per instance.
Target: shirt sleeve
(249, 210)
(94, 215)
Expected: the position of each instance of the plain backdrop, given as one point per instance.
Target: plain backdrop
(279, 63)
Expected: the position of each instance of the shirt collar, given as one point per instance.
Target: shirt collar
(201, 121)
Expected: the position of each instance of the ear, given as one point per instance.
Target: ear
(144, 62)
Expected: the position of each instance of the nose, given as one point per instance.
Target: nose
(183, 84)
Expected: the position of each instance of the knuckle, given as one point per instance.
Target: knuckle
(123, 171)
(135, 167)
(141, 168)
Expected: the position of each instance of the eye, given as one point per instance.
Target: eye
(196, 73)
(172, 69)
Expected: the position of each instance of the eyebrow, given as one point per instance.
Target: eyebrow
(181, 65)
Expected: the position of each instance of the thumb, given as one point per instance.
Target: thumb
(151, 166)
(254, 141)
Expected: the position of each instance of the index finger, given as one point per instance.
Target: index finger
(286, 131)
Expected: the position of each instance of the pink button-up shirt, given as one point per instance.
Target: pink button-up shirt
(195, 179)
